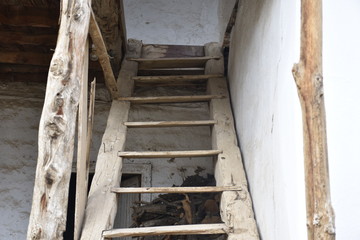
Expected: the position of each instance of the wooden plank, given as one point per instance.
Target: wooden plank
(192, 62)
(103, 56)
(28, 16)
(170, 99)
(171, 51)
(169, 124)
(28, 58)
(21, 38)
(175, 189)
(219, 228)
(57, 124)
(174, 79)
(309, 80)
(168, 72)
(236, 207)
(81, 161)
(170, 154)
(102, 204)
(33, 3)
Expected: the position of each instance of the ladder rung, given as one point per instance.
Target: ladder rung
(171, 154)
(170, 99)
(175, 78)
(169, 124)
(189, 62)
(176, 189)
(218, 228)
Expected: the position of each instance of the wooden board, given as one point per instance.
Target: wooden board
(175, 189)
(170, 99)
(170, 154)
(169, 72)
(171, 51)
(102, 204)
(153, 63)
(169, 124)
(81, 161)
(168, 230)
(29, 16)
(236, 207)
(173, 79)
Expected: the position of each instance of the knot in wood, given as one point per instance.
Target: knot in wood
(78, 12)
(53, 130)
(58, 67)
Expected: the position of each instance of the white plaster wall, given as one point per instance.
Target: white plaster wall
(342, 98)
(187, 22)
(265, 45)
(19, 118)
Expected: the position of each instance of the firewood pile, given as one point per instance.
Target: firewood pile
(180, 209)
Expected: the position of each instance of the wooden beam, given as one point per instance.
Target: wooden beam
(28, 16)
(170, 154)
(176, 189)
(169, 124)
(81, 159)
(173, 79)
(33, 3)
(170, 99)
(103, 56)
(309, 80)
(21, 38)
(57, 124)
(28, 58)
(190, 62)
(236, 207)
(195, 229)
(102, 204)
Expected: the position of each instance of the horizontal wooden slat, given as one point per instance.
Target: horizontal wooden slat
(169, 154)
(169, 124)
(175, 189)
(29, 58)
(175, 78)
(170, 99)
(171, 51)
(218, 228)
(151, 63)
(28, 16)
(9, 37)
(170, 71)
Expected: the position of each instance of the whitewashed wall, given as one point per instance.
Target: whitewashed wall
(342, 100)
(265, 45)
(191, 22)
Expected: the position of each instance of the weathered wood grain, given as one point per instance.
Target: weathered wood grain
(57, 124)
(168, 230)
(108, 165)
(309, 81)
(236, 206)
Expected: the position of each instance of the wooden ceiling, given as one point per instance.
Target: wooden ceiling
(28, 33)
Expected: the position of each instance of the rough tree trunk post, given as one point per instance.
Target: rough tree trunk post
(309, 81)
(57, 124)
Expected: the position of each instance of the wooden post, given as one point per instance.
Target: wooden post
(236, 206)
(101, 206)
(81, 170)
(57, 124)
(309, 81)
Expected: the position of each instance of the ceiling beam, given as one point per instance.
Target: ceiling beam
(28, 16)
(9, 37)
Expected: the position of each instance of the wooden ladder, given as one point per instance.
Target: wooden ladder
(235, 206)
